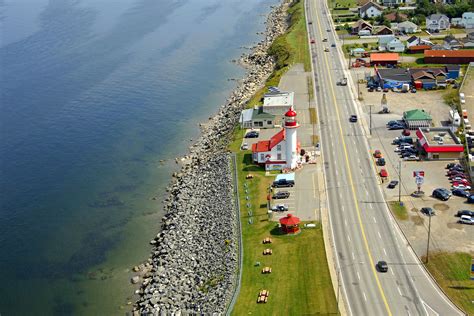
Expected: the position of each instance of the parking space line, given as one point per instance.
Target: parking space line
(399, 291)
(391, 271)
(371, 206)
(353, 256)
(348, 238)
(384, 251)
(358, 275)
(380, 236)
(365, 297)
(375, 221)
(345, 222)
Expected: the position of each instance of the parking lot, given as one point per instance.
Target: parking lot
(446, 232)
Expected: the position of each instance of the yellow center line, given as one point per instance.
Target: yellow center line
(354, 195)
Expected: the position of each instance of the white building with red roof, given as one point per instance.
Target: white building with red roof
(281, 151)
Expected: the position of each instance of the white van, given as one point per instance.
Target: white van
(466, 219)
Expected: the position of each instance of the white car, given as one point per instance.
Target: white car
(466, 219)
(244, 146)
(458, 179)
(411, 158)
(462, 187)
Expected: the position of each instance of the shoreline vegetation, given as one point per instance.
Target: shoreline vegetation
(193, 263)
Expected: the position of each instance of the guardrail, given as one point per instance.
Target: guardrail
(240, 244)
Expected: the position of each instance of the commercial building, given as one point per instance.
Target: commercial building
(439, 143)
(277, 103)
(256, 118)
(417, 119)
(464, 56)
(392, 78)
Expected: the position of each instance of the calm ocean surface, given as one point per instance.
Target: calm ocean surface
(94, 93)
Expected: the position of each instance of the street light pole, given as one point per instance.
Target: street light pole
(428, 243)
(370, 119)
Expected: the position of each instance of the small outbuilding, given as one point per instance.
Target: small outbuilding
(290, 224)
(256, 118)
(417, 118)
(384, 59)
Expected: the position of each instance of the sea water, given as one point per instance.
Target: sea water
(97, 98)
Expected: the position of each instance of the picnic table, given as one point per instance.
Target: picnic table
(267, 240)
(267, 252)
(266, 270)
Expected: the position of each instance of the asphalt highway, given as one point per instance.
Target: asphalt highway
(363, 230)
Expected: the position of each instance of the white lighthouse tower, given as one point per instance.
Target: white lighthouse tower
(291, 142)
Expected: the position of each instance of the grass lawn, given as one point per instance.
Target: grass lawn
(300, 281)
(400, 211)
(342, 3)
(452, 272)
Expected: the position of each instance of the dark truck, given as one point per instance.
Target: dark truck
(283, 183)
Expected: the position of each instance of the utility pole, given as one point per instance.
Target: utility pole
(399, 181)
(428, 243)
(370, 119)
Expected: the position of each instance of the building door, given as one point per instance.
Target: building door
(435, 156)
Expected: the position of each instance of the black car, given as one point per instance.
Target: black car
(452, 164)
(396, 126)
(280, 208)
(470, 199)
(381, 161)
(252, 134)
(353, 118)
(441, 194)
(382, 266)
(333, 45)
(427, 211)
(283, 183)
(281, 195)
(465, 212)
(461, 193)
(392, 184)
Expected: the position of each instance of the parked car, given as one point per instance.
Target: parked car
(325, 40)
(466, 220)
(452, 164)
(326, 49)
(460, 192)
(470, 199)
(428, 211)
(379, 89)
(252, 134)
(244, 146)
(281, 195)
(395, 127)
(462, 181)
(283, 183)
(383, 173)
(377, 154)
(413, 90)
(457, 178)
(392, 123)
(381, 161)
(392, 184)
(411, 157)
(441, 194)
(406, 132)
(453, 173)
(461, 186)
(465, 212)
(280, 208)
(370, 89)
(382, 266)
(353, 118)
(457, 168)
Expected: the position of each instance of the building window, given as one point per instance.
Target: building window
(262, 157)
(278, 147)
(269, 122)
(278, 156)
(259, 124)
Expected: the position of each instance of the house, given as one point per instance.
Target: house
(384, 59)
(417, 118)
(437, 22)
(392, 3)
(463, 56)
(427, 79)
(390, 44)
(277, 103)
(408, 27)
(467, 20)
(256, 118)
(281, 151)
(396, 17)
(415, 41)
(392, 77)
(452, 71)
(456, 22)
(357, 51)
(382, 30)
(370, 10)
(361, 25)
(450, 42)
(439, 143)
(417, 49)
(360, 3)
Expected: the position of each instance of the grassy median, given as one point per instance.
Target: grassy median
(452, 272)
(300, 282)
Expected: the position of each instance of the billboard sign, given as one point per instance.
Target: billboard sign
(420, 173)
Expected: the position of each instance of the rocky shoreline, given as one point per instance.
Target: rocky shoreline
(193, 264)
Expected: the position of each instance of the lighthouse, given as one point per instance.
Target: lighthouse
(291, 142)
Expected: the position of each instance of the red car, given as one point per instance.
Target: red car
(383, 173)
(465, 182)
(313, 41)
(406, 132)
(377, 154)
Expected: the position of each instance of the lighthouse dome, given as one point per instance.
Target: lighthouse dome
(290, 113)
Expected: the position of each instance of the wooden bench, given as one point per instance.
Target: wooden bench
(267, 270)
(267, 252)
(267, 240)
(262, 299)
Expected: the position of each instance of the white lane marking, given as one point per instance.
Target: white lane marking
(345, 222)
(353, 256)
(371, 206)
(391, 271)
(365, 297)
(374, 220)
(399, 291)
(337, 173)
(358, 160)
(385, 252)
(380, 236)
(358, 275)
(426, 305)
(348, 238)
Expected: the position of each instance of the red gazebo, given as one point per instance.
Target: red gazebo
(289, 224)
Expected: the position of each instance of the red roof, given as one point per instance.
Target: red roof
(450, 53)
(384, 57)
(420, 47)
(267, 145)
(277, 138)
(289, 220)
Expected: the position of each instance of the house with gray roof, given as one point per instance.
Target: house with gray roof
(437, 22)
(256, 118)
(370, 10)
(390, 44)
(408, 27)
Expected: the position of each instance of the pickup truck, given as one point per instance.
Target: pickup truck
(283, 183)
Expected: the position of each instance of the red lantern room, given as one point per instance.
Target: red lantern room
(290, 118)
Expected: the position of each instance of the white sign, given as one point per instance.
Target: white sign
(419, 180)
